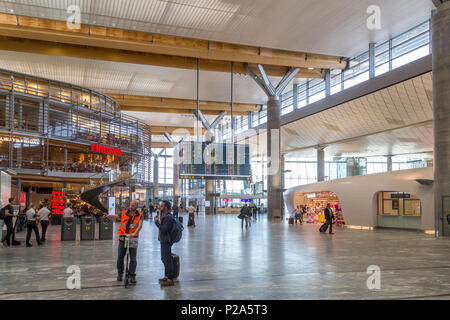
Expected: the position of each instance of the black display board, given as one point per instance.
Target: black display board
(199, 160)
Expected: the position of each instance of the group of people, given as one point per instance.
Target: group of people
(301, 211)
(31, 217)
(129, 228)
(191, 209)
(247, 212)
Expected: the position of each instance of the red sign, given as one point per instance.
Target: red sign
(104, 149)
(58, 202)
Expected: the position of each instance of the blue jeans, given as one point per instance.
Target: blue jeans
(121, 256)
(166, 257)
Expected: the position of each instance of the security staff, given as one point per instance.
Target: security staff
(32, 225)
(131, 224)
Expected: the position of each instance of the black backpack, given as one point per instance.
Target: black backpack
(2, 213)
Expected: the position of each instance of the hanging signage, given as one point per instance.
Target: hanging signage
(106, 150)
(58, 200)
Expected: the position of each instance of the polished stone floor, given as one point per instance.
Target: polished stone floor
(219, 260)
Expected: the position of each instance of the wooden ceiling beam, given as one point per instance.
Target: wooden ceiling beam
(124, 56)
(171, 103)
(174, 110)
(172, 130)
(112, 38)
(161, 145)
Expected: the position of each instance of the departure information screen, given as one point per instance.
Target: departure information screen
(199, 160)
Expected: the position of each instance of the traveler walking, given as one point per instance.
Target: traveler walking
(197, 209)
(245, 215)
(7, 214)
(130, 224)
(165, 226)
(43, 214)
(32, 221)
(329, 216)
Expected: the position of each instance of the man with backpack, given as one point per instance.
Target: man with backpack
(170, 231)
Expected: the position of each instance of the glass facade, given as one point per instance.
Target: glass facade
(396, 52)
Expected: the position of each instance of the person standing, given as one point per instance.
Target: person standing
(32, 219)
(68, 212)
(191, 216)
(197, 209)
(165, 227)
(130, 224)
(8, 212)
(43, 214)
(175, 211)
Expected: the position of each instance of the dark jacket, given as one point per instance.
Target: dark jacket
(165, 227)
(328, 214)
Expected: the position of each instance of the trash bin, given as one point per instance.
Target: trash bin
(87, 228)
(105, 229)
(68, 229)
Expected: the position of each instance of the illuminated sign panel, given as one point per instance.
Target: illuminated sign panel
(106, 150)
(58, 199)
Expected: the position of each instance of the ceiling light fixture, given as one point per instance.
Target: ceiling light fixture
(310, 68)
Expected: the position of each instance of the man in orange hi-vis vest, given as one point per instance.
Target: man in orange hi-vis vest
(130, 224)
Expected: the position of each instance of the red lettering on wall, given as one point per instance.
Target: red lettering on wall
(58, 202)
(106, 150)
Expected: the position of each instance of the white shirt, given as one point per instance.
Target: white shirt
(190, 209)
(31, 214)
(43, 213)
(67, 213)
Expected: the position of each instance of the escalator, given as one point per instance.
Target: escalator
(91, 196)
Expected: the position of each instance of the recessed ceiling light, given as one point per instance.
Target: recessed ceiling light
(310, 68)
(12, 10)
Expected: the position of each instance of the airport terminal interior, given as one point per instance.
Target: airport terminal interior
(300, 149)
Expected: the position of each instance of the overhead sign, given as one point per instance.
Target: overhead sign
(58, 200)
(106, 150)
(400, 195)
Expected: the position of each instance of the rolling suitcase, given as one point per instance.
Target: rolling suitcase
(176, 265)
(324, 227)
(291, 220)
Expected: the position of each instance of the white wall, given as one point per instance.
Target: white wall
(5, 187)
(358, 195)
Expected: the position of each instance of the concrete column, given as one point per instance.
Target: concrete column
(389, 163)
(441, 115)
(155, 178)
(283, 183)
(209, 196)
(273, 158)
(320, 163)
(176, 180)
